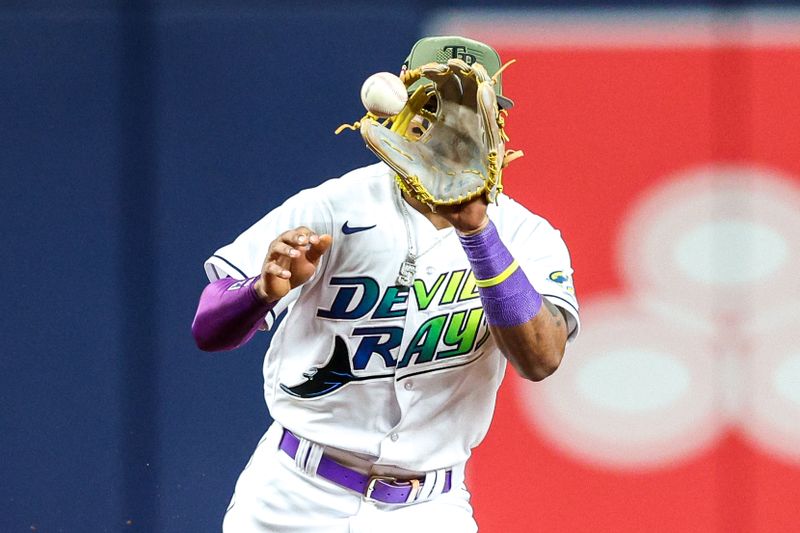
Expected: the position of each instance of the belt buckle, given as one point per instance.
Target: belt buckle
(371, 485)
(415, 486)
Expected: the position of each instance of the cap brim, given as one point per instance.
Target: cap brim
(502, 101)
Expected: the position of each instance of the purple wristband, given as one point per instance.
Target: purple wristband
(228, 315)
(511, 302)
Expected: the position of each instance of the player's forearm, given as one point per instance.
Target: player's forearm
(519, 318)
(228, 315)
(535, 348)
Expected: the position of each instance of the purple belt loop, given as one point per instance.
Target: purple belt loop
(385, 489)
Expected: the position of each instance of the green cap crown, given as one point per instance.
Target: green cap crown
(440, 49)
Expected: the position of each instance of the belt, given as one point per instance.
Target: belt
(384, 489)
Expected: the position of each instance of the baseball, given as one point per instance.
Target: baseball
(383, 94)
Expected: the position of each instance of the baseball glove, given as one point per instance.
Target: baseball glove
(447, 144)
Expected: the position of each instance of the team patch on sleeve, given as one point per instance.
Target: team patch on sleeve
(562, 279)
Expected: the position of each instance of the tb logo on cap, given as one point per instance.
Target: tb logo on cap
(460, 52)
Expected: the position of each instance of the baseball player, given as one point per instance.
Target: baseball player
(402, 312)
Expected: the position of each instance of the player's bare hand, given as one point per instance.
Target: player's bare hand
(291, 260)
(469, 217)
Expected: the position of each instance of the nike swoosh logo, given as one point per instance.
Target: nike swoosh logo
(349, 230)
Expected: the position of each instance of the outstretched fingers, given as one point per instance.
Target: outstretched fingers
(294, 248)
(280, 255)
(293, 242)
(291, 261)
(319, 247)
(272, 268)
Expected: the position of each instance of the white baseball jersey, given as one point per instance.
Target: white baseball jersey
(408, 375)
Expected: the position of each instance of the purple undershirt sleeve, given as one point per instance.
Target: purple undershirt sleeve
(228, 315)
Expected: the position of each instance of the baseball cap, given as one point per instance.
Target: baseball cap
(441, 48)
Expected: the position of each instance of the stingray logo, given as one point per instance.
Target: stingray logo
(559, 277)
(330, 377)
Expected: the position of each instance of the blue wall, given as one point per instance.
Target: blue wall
(135, 142)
